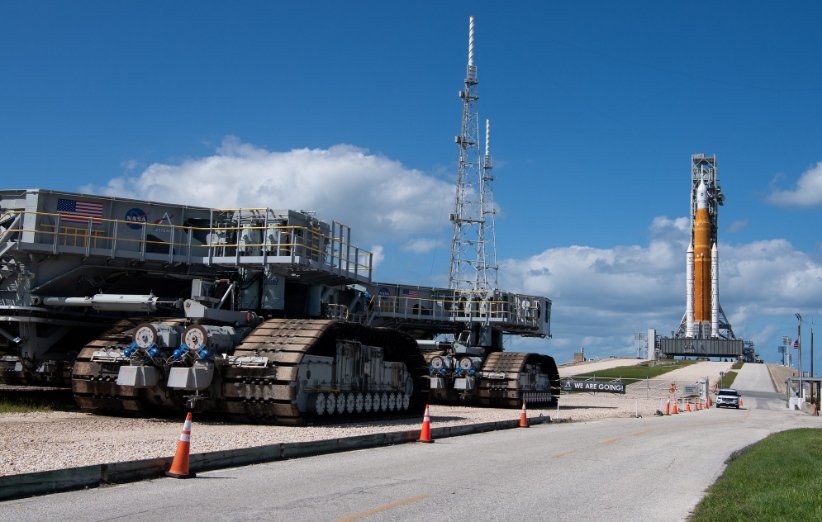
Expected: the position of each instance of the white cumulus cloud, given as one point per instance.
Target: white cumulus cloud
(422, 245)
(808, 191)
(379, 198)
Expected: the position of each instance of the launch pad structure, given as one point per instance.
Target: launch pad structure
(704, 330)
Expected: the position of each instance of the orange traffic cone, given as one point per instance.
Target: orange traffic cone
(179, 466)
(740, 402)
(523, 417)
(676, 410)
(668, 408)
(687, 407)
(425, 431)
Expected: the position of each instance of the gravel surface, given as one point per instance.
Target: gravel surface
(45, 441)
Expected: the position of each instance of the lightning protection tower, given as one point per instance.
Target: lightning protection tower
(472, 268)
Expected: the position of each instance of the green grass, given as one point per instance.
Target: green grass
(728, 380)
(25, 401)
(737, 365)
(778, 478)
(639, 372)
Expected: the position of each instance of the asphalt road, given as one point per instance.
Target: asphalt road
(617, 469)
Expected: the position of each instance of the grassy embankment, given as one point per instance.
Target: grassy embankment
(640, 372)
(632, 374)
(778, 478)
(730, 376)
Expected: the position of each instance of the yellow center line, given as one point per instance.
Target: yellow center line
(612, 441)
(382, 508)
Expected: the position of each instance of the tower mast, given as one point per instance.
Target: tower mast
(472, 219)
(488, 211)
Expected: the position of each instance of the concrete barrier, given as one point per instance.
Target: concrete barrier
(45, 482)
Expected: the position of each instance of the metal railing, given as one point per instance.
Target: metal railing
(454, 309)
(222, 244)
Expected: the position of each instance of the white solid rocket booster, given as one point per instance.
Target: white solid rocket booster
(714, 291)
(689, 291)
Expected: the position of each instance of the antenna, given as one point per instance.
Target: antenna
(488, 211)
(471, 73)
(473, 205)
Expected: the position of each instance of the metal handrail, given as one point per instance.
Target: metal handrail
(304, 241)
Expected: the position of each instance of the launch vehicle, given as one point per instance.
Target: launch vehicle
(704, 330)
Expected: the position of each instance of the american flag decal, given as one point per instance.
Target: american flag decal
(74, 211)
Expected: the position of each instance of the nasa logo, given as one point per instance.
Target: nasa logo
(136, 218)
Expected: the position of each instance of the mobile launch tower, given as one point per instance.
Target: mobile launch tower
(704, 329)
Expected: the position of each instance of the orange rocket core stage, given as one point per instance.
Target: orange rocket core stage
(702, 266)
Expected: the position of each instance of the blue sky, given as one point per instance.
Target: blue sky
(351, 108)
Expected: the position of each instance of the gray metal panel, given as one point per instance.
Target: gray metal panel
(138, 376)
(701, 347)
(192, 378)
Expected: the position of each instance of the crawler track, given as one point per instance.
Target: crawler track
(266, 394)
(269, 394)
(94, 384)
(507, 392)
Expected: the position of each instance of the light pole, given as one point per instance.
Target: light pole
(799, 346)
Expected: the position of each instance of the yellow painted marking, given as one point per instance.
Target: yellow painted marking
(641, 433)
(612, 441)
(383, 508)
(564, 453)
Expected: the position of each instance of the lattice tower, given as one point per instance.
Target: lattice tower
(472, 219)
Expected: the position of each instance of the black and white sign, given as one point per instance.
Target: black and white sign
(593, 386)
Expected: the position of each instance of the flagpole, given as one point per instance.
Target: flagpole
(799, 340)
(812, 374)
